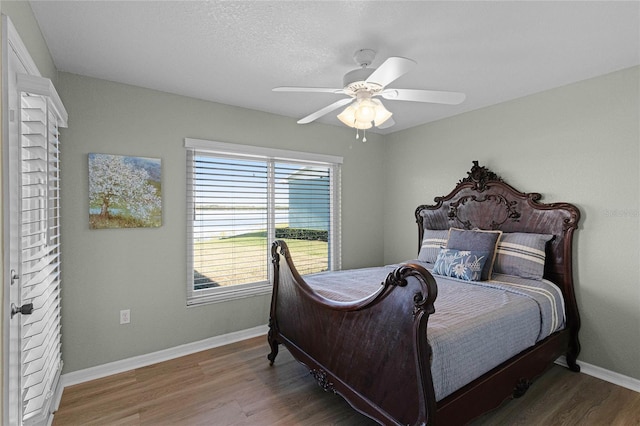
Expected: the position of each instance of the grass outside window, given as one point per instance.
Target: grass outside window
(243, 259)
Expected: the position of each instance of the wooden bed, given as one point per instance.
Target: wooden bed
(373, 351)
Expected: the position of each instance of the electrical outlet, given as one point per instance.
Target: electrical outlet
(125, 316)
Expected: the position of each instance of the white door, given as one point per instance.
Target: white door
(31, 219)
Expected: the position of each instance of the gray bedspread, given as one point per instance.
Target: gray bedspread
(476, 325)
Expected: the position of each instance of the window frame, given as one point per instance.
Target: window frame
(238, 151)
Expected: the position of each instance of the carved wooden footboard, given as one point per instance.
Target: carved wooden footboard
(373, 352)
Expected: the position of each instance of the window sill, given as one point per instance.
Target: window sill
(226, 294)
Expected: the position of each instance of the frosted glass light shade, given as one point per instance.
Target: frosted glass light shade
(348, 116)
(382, 114)
(366, 110)
(364, 114)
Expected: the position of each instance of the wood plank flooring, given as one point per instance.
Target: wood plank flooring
(234, 385)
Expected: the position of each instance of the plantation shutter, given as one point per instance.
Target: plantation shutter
(41, 114)
(239, 200)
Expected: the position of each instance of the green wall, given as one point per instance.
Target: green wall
(578, 144)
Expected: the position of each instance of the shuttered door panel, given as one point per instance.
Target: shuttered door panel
(40, 254)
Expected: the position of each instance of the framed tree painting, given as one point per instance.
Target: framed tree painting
(124, 192)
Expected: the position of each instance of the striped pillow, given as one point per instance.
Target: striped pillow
(521, 254)
(432, 241)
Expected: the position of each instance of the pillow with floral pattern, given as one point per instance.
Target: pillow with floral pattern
(462, 264)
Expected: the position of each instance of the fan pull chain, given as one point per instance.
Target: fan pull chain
(364, 134)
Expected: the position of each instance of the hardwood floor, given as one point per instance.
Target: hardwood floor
(234, 385)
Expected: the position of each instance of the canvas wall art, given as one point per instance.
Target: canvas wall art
(124, 192)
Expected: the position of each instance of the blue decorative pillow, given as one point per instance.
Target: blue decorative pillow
(432, 241)
(476, 241)
(521, 254)
(462, 264)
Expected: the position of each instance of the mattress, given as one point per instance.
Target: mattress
(476, 326)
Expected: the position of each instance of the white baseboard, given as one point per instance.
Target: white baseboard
(123, 365)
(606, 375)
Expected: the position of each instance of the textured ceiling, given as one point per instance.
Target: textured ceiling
(235, 52)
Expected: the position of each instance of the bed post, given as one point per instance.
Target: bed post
(573, 316)
(273, 327)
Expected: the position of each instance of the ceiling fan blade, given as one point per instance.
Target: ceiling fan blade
(309, 118)
(388, 123)
(391, 69)
(418, 95)
(308, 89)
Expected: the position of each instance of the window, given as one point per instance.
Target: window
(240, 199)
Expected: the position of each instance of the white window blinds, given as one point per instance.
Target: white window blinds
(230, 221)
(41, 357)
(240, 201)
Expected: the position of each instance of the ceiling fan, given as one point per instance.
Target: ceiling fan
(364, 85)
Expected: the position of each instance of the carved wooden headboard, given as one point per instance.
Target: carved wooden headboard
(483, 200)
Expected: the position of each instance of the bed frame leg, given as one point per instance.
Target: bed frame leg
(572, 353)
(274, 352)
(571, 362)
(273, 343)
(521, 387)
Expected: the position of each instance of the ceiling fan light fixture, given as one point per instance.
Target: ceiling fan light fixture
(349, 118)
(364, 114)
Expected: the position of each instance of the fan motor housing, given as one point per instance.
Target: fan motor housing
(355, 81)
